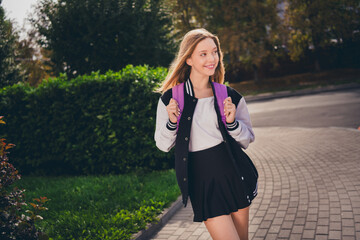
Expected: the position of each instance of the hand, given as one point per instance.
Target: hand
(229, 110)
(173, 110)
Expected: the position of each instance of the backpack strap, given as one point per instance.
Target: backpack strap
(221, 95)
(178, 95)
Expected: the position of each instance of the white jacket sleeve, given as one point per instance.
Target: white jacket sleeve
(241, 130)
(165, 133)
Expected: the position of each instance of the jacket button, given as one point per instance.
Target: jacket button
(184, 179)
(186, 138)
(242, 178)
(189, 118)
(194, 100)
(184, 158)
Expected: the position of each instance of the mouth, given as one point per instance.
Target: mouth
(211, 66)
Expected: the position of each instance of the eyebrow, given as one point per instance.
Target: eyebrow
(206, 50)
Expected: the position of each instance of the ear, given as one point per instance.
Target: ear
(189, 61)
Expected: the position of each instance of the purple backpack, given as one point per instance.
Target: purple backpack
(220, 92)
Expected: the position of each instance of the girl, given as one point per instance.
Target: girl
(203, 144)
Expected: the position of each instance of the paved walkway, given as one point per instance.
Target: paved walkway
(309, 187)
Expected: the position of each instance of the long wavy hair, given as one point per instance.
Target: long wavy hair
(179, 70)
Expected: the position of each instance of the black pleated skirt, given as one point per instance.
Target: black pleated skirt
(214, 186)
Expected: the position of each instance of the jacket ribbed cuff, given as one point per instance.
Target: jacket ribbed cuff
(171, 126)
(232, 126)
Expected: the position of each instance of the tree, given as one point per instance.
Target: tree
(92, 35)
(9, 72)
(32, 59)
(317, 24)
(245, 28)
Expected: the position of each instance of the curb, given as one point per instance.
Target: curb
(152, 228)
(289, 93)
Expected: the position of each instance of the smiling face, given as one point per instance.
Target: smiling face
(204, 59)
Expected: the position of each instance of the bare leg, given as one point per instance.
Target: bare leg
(241, 222)
(221, 227)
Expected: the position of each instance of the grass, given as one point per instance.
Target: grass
(298, 81)
(101, 207)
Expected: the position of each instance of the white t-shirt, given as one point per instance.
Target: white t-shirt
(205, 132)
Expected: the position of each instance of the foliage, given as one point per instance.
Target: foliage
(322, 23)
(276, 38)
(245, 28)
(33, 62)
(9, 72)
(93, 124)
(93, 35)
(102, 207)
(14, 222)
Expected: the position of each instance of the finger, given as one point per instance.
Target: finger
(228, 99)
(173, 101)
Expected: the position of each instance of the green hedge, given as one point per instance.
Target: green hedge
(93, 124)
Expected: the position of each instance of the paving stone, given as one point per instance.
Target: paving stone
(274, 228)
(300, 197)
(334, 234)
(185, 235)
(261, 233)
(310, 225)
(348, 231)
(193, 238)
(322, 230)
(271, 236)
(321, 237)
(309, 234)
(335, 225)
(348, 238)
(297, 229)
(284, 233)
(295, 236)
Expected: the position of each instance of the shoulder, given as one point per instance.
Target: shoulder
(235, 95)
(165, 98)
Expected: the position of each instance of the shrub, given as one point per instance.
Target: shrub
(93, 124)
(14, 222)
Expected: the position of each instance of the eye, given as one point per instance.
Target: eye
(203, 54)
(216, 52)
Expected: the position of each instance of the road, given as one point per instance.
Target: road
(307, 152)
(328, 109)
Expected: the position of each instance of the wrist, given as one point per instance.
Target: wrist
(172, 121)
(171, 126)
(232, 126)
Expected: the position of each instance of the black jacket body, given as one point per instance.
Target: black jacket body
(242, 163)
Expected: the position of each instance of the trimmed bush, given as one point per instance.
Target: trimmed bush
(92, 124)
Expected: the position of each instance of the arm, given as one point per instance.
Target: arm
(241, 129)
(165, 133)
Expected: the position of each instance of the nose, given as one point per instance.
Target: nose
(213, 57)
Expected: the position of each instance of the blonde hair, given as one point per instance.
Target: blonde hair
(179, 71)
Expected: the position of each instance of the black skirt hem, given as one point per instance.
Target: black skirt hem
(197, 219)
(215, 188)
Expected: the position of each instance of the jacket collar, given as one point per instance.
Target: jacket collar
(190, 90)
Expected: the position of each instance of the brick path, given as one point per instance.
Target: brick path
(309, 187)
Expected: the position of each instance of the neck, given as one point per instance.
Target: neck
(199, 82)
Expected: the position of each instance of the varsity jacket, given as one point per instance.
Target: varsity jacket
(245, 168)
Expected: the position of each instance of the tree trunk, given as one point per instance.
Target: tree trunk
(256, 75)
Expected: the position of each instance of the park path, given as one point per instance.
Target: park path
(309, 187)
